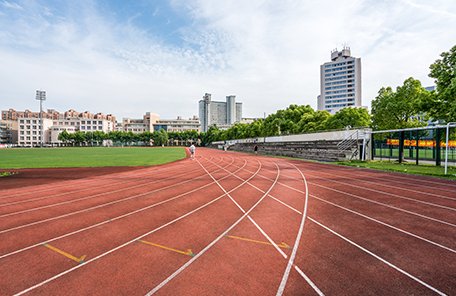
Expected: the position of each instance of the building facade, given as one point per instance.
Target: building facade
(14, 115)
(29, 131)
(8, 132)
(340, 82)
(152, 122)
(220, 114)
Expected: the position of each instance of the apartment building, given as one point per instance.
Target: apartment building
(8, 132)
(152, 122)
(220, 114)
(29, 131)
(340, 82)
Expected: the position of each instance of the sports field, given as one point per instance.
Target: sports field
(230, 223)
(87, 157)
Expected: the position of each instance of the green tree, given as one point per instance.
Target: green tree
(353, 117)
(442, 104)
(79, 137)
(64, 136)
(400, 109)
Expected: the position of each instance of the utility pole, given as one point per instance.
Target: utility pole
(41, 96)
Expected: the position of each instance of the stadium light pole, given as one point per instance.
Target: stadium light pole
(41, 96)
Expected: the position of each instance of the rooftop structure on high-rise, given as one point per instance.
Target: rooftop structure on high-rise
(340, 82)
(220, 114)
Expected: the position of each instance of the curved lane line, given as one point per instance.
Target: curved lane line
(92, 196)
(290, 263)
(105, 222)
(211, 244)
(372, 201)
(296, 245)
(250, 218)
(123, 245)
(381, 259)
(82, 180)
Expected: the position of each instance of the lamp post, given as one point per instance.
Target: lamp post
(41, 96)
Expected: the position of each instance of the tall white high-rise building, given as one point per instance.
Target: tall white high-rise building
(340, 82)
(220, 114)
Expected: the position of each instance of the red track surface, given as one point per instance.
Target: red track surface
(229, 224)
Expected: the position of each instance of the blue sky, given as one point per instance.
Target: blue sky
(131, 57)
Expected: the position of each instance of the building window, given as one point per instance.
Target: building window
(88, 127)
(28, 121)
(83, 127)
(100, 128)
(22, 132)
(83, 122)
(100, 122)
(34, 127)
(28, 126)
(22, 138)
(21, 121)
(34, 121)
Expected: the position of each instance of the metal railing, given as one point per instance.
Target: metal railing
(350, 140)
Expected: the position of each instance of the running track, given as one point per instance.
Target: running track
(228, 224)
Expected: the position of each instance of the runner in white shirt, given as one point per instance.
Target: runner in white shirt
(192, 152)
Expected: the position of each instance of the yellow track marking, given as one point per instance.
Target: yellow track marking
(283, 245)
(188, 252)
(79, 260)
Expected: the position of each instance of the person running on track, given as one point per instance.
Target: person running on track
(192, 152)
(255, 149)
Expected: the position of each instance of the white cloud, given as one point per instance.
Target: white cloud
(267, 53)
(11, 5)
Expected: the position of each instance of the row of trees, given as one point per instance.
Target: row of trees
(89, 138)
(293, 120)
(411, 105)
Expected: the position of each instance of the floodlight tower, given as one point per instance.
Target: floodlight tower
(41, 96)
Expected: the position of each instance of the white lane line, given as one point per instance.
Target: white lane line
(243, 211)
(105, 222)
(123, 245)
(210, 245)
(368, 200)
(90, 188)
(278, 200)
(367, 217)
(115, 249)
(392, 194)
(379, 258)
(85, 181)
(296, 245)
(413, 180)
(386, 205)
(309, 281)
(295, 248)
(92, 196)
(382, 192)
(385, 224)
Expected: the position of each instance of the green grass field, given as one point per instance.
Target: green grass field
(406, 168)
(87, 157)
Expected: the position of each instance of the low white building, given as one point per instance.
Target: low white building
(29, 131)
